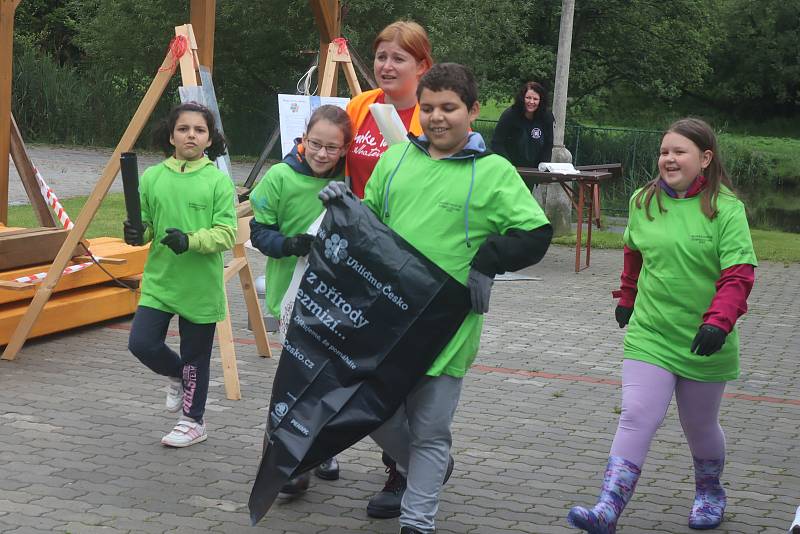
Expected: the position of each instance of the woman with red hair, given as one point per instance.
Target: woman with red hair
(402, 56)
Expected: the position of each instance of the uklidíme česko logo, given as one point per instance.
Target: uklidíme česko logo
(335, 248)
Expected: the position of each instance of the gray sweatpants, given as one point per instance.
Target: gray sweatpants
(418, 438)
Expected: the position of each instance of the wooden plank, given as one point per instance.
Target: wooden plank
(328, 67)
(202, 14)
(326, 17)
(70, 310)
(230, 372)
(352, 79)
(254, 311)
(186, 61)
(27, 173)
(7, 231)
(7, 8)
(135, 258)
(244, 209)
(29, 248)
(99, 259)
(232, 269)
(89, 210)
(15, 286)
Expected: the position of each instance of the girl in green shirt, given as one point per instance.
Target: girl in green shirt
(285, 204)
(189, 218)
(688, 270)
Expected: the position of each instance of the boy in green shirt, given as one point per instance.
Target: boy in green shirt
(468, 211)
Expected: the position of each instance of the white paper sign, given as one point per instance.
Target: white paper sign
(294, 112)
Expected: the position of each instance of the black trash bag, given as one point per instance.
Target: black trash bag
(371, 315)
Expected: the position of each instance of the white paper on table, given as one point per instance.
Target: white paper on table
(561, 168)
(294, 112)
(389, 122)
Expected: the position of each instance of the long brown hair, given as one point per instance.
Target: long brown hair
(700, 133)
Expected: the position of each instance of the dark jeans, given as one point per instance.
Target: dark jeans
(146, 342)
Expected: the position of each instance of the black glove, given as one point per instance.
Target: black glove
(623, 315)
(298, 245)
(332, 191)
(709, 339)
(133, 235)
(480, 289)
(176, 240)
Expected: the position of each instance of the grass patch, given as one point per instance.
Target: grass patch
(783, 153)
(769, 245)
(107, 222)
(492, 109)
(599, 240)
(776, 246)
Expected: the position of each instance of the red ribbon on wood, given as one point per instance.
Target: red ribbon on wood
(178, 46)
(341, 43)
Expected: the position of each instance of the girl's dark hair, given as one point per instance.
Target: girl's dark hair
(164, 129)
(335, 115)
(700, 133)
(519, 98)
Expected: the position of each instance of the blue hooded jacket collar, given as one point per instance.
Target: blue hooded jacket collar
(475, 147)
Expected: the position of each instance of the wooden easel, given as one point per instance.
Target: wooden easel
(27, 174)
(338, 55)
(327, 16)
(188, 64)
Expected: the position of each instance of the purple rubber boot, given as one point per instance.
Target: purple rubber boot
(709, 499)
(618, 485)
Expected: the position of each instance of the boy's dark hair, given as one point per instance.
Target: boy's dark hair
(453, 77)
(536, 87)
(164, 129)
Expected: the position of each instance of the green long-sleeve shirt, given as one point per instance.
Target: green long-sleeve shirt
(198, 199)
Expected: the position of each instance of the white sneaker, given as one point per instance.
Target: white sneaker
(184, 434)
(174, 395)
(795, 528)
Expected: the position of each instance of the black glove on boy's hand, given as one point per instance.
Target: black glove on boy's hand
(176, 240)
(709, 339)
(480, 289)
(298, 245)
(623, 315)
(133, 236)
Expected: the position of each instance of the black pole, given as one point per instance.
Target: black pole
(130, 187)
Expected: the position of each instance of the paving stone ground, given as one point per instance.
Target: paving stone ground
(81, 420)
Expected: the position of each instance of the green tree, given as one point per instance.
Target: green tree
(49, 27)
(757, 65)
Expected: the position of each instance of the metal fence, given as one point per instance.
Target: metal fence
(636, 150)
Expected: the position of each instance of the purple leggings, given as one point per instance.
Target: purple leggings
(646, 393)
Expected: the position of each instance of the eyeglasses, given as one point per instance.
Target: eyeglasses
(316, 146)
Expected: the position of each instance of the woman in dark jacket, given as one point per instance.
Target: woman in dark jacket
(524, 133)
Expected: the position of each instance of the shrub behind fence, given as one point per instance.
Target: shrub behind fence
(637, 150)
